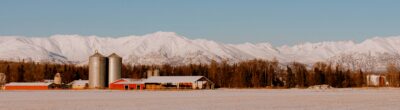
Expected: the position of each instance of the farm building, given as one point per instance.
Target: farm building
(178, 82)
(79, 84)
(127, 84)
(376, 80)
(27, 86)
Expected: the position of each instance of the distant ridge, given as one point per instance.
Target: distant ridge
(171, 48)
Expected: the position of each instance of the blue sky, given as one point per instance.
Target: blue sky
(231, 21)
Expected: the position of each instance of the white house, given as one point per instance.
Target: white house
(376, 80)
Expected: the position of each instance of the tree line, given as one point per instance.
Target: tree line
(33, 71)
(247, 74)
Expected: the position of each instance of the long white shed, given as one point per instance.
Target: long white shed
(180, 82)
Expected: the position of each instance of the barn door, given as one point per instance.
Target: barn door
(126, 87)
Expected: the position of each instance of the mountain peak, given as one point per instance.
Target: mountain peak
(163, 34)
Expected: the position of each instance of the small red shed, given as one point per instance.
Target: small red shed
(127, 84)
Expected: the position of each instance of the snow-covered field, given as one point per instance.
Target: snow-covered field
(221, 99)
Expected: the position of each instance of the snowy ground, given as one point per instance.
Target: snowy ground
(221, 99)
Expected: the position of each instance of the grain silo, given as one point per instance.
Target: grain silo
(149, 73)
(114, 68)
(57, 78)
(156, 72)
(97, 71)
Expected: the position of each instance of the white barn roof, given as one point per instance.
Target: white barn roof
(173, 79)
(28, 84)
(79, 82)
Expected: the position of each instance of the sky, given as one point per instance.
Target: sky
(278, 22)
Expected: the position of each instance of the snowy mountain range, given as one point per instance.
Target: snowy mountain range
(171, 48)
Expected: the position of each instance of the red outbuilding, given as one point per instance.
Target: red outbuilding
(27, 86)
(127, 84)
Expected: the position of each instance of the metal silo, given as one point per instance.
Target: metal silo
(57, 78)
(149, 73)
(114, 67)
(97, 71)
(156, 72)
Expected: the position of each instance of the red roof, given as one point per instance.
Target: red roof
(128, 81)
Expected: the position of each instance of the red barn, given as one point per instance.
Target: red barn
(27, 86)
(127, 84)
